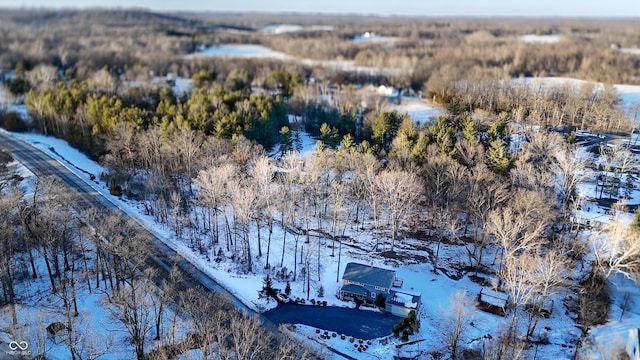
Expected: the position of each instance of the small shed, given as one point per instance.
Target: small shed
(493, 302)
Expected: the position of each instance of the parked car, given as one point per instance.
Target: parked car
(282, 297)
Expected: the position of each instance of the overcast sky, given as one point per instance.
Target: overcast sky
(565, 8)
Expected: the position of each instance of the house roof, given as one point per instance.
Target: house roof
(494, 297)
(355, 289)
(407, 300)
(368, 275)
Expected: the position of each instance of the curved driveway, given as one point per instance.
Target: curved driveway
(360, 324)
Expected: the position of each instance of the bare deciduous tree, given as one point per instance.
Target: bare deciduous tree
(457, 320)
(400, 192)
(617, 249)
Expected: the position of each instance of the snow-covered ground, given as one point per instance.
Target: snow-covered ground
(259, 51)
(8, 105)
(240, 51)
(629, 94)
(632, 51)
(539, 39)
(286, 28)
(436, 289)
(420, 111)
(374, 38)
(100, 334)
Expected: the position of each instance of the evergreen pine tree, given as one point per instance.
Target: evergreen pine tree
(498, 159)
(268, 291)
(348, 142)
(385, 128)
(329, 135)
(498, 129)
(469, 129)
(286, 142)
(297, 141)
(636, 219)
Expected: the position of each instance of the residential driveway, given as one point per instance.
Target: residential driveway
(360, 324)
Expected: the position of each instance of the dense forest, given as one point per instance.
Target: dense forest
(497, 173)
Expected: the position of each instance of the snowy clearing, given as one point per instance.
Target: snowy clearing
(539, 39)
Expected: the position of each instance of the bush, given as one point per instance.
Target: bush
(351, 339)
(115, 189)
(287, 289)
(321, 291)
(268, 291)
(334, 334)
(342, 337)
(380, 301)
(313, 301)
(317, 331)
(405, 335)
(408, 324)
(13, 122)
(595, 149)
(324, 302)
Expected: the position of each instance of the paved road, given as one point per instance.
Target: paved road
(360, 324)
(42, 164)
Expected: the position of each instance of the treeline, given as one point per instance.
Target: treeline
(104, 254)
(570, 105)
(424, 51)
(87, 113)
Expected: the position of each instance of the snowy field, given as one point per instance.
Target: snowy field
(419, 111)
(240, 51)
(369, 37)
(287, 28)
(259, 51)
(539, 39)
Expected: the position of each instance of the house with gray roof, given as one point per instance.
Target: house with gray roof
(363, 283)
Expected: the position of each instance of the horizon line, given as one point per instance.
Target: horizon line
(314, 13)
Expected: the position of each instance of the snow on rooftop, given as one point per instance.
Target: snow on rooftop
(405, 299)
(493, 297)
